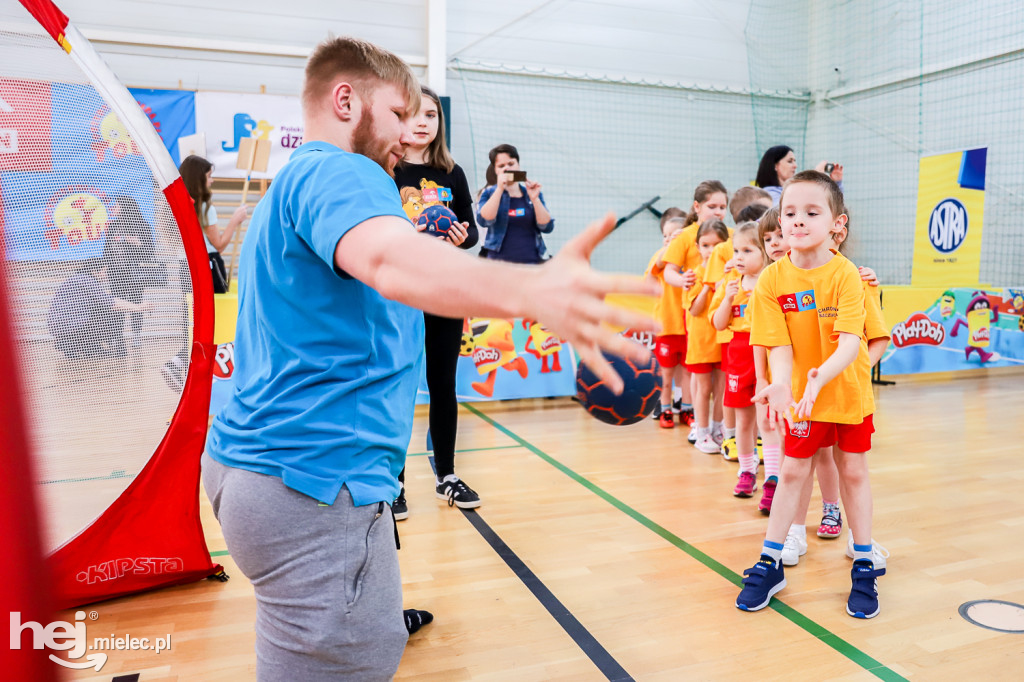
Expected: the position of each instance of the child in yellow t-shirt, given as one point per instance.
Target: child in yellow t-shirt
(710, 199)
(670, 345)
(731, 311)
(703, 352)
(810, 314)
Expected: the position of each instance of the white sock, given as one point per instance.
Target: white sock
(716, 427)
(450, 478)
(703, 431)
(799, 530)
(729, 433)
(677, 393)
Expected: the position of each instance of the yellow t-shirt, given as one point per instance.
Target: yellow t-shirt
(682, 251)
(742, 312)
(669, 308)
(701, 338)
(874, 321)
(720, 255)
(807, 309)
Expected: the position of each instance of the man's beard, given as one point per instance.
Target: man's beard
(366, 142)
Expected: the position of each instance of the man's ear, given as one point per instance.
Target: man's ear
(345, 102)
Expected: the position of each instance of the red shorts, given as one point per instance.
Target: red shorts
(803, 439)
(724, 365)
(703, 367)
(670, 350)
(740, 378)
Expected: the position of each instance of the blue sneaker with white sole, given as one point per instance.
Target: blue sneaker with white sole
(863, 601)
(760, 583)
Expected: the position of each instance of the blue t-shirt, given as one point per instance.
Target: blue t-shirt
(520, 243)
(326, 368)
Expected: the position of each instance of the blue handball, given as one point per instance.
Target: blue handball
(436, 220)
(641, 393)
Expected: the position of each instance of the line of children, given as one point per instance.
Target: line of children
(809, 312)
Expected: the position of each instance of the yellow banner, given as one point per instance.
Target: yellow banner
(950, 214)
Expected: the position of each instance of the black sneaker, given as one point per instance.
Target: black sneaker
(399, 508)
(416, 618)
(458, 494)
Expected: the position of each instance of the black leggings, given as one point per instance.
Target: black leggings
(442, 341)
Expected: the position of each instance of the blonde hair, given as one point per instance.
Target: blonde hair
(750, 231)
(360, 63)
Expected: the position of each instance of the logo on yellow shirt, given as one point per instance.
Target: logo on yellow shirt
(798, 302)
(739, 310)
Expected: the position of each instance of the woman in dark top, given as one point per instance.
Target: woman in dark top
(428, 176)
(514, 213)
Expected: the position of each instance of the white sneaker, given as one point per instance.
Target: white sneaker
(718, 437)
(878, 553)
(795, 547)
(707, 445)
(692, 436)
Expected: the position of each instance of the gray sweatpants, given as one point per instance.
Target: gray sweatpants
(328, 590)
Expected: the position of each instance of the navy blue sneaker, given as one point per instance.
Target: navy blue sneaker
(863, 601)
(760, 583)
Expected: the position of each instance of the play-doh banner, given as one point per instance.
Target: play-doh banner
(953, 329)
(498, 360)
(950, 216)
(227, 118)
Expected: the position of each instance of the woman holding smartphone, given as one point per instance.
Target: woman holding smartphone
(428, 176)
(513, 211)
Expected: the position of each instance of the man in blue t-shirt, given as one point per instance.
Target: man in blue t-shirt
(302, 462)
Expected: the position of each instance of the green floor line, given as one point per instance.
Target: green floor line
(826, 636)
(222, 552)
(494, 447)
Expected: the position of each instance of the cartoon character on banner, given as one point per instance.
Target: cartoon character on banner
(980, 316)
(1015, 306)
(947, 304)
(109, 133)
(77, 214)
(493, 348)
(542, 344)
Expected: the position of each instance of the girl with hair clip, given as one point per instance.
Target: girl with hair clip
(731, 310)
(197, 174)
(428, 176)
(703, 352)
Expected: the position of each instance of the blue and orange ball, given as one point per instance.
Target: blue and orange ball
(641, 393)
(436, 220)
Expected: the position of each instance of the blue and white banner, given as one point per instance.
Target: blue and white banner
(173, 113)
(69, 166)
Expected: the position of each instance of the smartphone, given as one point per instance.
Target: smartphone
(517, 175)
(829, 167)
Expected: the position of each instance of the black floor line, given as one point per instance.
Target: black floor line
(604, 661)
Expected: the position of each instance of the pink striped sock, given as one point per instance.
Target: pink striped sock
(772, 459)
(749, 462)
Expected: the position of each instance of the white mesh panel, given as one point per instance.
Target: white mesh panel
(88, 237)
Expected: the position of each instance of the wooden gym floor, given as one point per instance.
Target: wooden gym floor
(636, 539)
